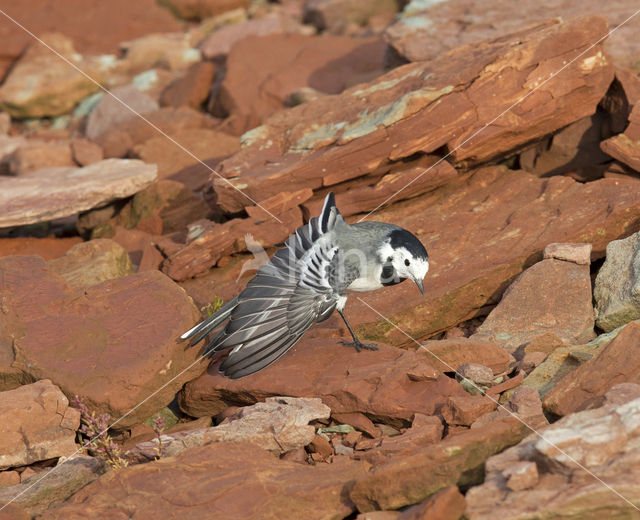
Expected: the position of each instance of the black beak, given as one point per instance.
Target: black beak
(419, 284)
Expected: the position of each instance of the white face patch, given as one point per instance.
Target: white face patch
(404, 263)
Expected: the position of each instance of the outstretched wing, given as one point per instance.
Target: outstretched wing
(283, 300)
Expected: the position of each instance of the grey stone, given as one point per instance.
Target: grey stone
(617, 287)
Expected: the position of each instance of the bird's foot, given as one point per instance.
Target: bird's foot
(358, 345)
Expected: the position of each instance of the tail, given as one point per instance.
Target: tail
(208, 325)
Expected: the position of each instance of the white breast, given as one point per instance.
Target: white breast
(369, 282)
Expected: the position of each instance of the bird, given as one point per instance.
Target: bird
(321, 263)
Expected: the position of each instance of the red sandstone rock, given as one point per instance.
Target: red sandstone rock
(204, 143)
(279, 425)
(448, 503)
(337, 16)
(525, 403)
(424, 106)
(464, 410)
(143, 253)
(603, 441)
(413, 478)
(34, 156)
(577, 253)
(48, 248)
(220, 42)
(278, 204)
(223, 480)
(37, 424)
(425, 430)
(423, 34)
(551, 296)
(262, 71)
(106, 343)
(585, 387)
(90, 263)
(40, 84)
(162, 207)
(104, 24)
(447, 355)
(192, 89)
(209, 241)
(55, 193)
(86, 152)
(122, 138)
(112, 110)
(378, 384)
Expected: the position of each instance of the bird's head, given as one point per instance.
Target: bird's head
(404, 257)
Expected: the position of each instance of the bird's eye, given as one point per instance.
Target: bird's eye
(406, 262)
(389, 259)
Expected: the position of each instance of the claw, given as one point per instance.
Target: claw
(358, 345)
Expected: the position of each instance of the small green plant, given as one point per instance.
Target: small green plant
(212, 308)
(158, 428)
(98, 442)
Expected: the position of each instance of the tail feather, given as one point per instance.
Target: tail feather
(205, 327)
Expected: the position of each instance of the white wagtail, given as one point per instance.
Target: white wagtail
(304, 282)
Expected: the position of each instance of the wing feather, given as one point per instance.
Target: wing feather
(287, 295)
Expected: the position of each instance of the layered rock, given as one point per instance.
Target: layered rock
(422, 107)
(279, 424)
(225, 480)
(99, 33)
(54, 193)
(415, 477)
(424, 32)
(123, 104)
(586, 386)
(551, 475)
(39, 492)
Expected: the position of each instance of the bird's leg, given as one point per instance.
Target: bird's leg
(356, 342)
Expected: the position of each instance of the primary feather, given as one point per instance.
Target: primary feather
(287, 295)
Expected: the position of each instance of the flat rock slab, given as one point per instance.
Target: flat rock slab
(54, 193)
(390, 384)
(222, 480)
(114, 344)
(421, 107)
(604, 441)
(37, 424)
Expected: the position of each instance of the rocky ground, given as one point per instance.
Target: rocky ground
(505, 134)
